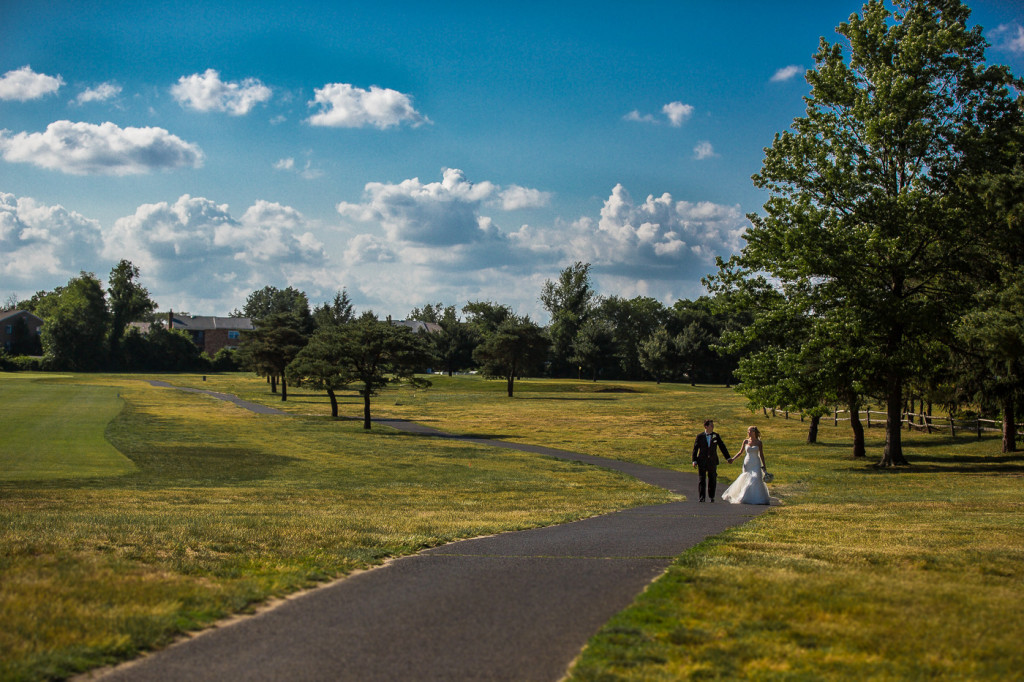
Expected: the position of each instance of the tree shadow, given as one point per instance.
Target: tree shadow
(951, 464)
(573, 398)
(203, 465)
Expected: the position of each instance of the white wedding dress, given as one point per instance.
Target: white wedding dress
(749, 487)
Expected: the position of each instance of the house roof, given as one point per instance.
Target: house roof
(418, 325)
(11, 314)
(208, 323)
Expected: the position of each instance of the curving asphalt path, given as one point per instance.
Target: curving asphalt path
(514, 606)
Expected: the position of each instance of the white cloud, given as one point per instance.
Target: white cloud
(677, 113)
(346, 106)
(637, 117)
(307, 171)
(438, 213)
(1009, 37)
(661, 234)
(195, 249)
(24, 84)
(40, 242)
(703, 150)
(367, 248)
(105, 149)
(207, 92)
(786, 73)
(516, 197)
(101, 93)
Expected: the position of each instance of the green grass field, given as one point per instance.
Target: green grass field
(909, 574)
(54, 429)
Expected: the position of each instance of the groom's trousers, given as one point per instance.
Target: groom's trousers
(707, 480)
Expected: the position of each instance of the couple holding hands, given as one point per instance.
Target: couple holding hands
(749, 487)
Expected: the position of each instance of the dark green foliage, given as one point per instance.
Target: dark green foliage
(128, 301)
(514, 347)
(570, 302)
(338, 311)
(75, 331)
(375, 353)
(865, 226)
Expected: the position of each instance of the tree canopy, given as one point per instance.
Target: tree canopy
(866, 210)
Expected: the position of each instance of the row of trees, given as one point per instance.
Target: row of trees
(888, 262)
(329, 347)
(86, 327)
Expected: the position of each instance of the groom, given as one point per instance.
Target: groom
(705, 458)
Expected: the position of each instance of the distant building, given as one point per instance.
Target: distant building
(418, 326)
(210, 334)
(19, 332)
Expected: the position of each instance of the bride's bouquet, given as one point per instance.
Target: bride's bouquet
(768, 476)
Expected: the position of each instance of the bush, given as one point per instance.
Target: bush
(226, 360)
(28, 363)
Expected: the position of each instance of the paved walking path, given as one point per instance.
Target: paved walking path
(513, 606)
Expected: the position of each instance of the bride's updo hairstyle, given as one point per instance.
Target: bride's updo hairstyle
(757, 434)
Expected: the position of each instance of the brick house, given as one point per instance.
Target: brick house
(210, 334)
(19, 332)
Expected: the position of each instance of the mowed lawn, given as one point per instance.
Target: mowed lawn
(859, 574)
(915, 573)
(172, 510)
(55, 429)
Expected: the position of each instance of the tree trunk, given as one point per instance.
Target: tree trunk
(273, 383)
(892, 455)
(284, 389)
(511, 382)
(812, 431)
(1009, 425)
(334, 402)
(858, 429)
(366, 409)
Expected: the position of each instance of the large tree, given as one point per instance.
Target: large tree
(270, 300)
(333, 313)
(453, 343)
(129, 301)
(322, 365)
(274, 342)
(570, 301)
(516, 346)
(375, 353)
(865, 209)
(633, 320)
(74, 333)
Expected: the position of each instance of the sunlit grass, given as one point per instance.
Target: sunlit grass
(224, 508)
(53, 430)
(915, 573)
(860, 574)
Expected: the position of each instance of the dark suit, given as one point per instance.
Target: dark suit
(706, 457)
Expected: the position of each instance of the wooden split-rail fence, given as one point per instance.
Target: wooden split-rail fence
(926, 423)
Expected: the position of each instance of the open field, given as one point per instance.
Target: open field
(223, 509)
(862, 574)
(909, 574)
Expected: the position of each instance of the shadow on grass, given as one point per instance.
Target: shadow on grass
(205, 465)
(572, 399)
(953, 464)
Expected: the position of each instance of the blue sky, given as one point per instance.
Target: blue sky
(410, 153)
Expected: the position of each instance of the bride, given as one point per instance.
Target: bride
(749, 486)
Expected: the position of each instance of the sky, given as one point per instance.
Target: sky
(409, 153)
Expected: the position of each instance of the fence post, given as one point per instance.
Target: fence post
(787, 414)
(952, 427)
(869, 417)
(835, 418)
